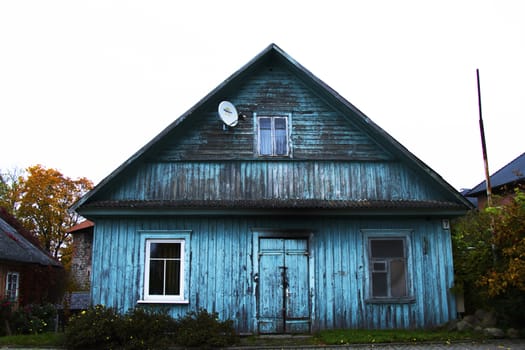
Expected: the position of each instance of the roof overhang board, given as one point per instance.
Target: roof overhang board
(93, 213)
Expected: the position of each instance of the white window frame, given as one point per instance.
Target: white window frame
(272, 117)
(9, 288)
(181, 237)
(388, 234)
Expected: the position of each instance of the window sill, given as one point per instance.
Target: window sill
(163, 301)
(404, 300)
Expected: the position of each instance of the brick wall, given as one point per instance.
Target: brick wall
(81, 262)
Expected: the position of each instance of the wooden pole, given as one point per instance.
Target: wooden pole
(484, 146)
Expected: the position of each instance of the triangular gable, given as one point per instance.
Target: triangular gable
(382, 139)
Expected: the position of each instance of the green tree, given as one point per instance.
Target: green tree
(508, 270)
(10, 189)
(489, 257)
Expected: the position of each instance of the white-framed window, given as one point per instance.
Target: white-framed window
(273, 136)
(12, 285)
(164, 269)
(165, 264)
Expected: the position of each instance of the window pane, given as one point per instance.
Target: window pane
(265, 136)
(165, 250)
(398, 281)
(387, 248)
(12, 286)
(265, 123)
(173, 277)
(379, 284)
(380, 266)
(156, 277)
(281, 137)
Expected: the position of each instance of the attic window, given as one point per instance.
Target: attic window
(273, 136)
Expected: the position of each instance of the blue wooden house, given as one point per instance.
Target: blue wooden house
(278, 204)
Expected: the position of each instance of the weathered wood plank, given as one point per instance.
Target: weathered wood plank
(221, 268)
(275, 179)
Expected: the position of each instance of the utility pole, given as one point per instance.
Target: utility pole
(484, 146)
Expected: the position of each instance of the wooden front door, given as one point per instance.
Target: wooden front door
(283, 298)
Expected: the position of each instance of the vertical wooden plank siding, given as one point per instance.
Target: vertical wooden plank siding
(222, 261)
(253, 180)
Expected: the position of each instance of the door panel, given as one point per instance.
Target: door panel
(283, 298)
(297, 301)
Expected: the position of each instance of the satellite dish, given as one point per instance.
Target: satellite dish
(228, 113)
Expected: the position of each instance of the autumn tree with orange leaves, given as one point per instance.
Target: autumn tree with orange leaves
(40, 200)
(489, 257)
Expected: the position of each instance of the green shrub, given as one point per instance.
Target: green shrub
(6, 309)
(95, 328)
(146, 329)
(103, 328)
(141, 328)
(203, 329)
(34, 319)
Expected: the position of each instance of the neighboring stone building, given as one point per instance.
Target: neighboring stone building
(82, 247)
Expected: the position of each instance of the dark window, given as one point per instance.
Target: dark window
(11, 286)
(388, 268)
(273, 136)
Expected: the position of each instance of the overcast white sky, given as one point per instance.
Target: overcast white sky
(85, 84)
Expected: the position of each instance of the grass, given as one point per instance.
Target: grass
(43, 339)
(332, 337)
(359, 336)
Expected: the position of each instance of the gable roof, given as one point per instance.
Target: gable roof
(84, 225)
(510, 174)
(16, 248)
(336, 101)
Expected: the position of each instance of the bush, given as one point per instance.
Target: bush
(30, 319)
(103, 328)
(95, 328)
(203, 329)
(6, 309)
(146, 329)
(34, 319)
(140, 328)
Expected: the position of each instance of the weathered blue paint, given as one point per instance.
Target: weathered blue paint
(238, 180)
(225, 269)
(277, 267)
(283, 284)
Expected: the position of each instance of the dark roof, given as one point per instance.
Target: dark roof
(15, 247)
(325, 91)
(86, 224)
(79, 300)
(294, 204)
(510, 174)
